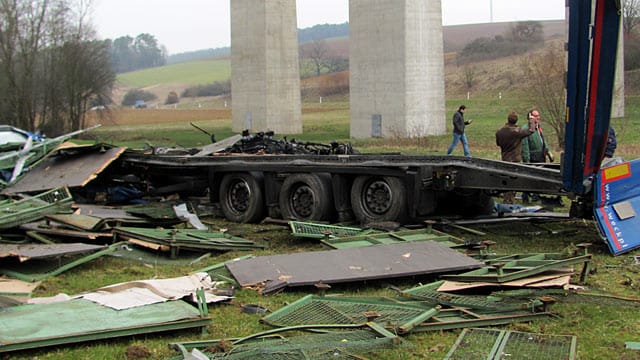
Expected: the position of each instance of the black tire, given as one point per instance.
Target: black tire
(378, 199)
(241, 198)
(306, 197)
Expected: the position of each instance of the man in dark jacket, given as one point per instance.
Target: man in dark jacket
(509, 138)
(458, 131)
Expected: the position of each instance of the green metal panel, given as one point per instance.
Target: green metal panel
(320, 231)
(190, 239)
(32, 326)
(457, 318)
(30, 208)
(382, 238)
(513, 267)
(430, 293)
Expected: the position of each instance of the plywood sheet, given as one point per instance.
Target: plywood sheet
(73, 170)
(356, 264)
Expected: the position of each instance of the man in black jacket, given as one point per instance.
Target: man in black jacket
(458, 131)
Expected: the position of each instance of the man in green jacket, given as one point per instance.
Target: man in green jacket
(534, 147)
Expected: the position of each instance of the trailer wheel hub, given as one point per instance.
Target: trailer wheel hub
(239, 196)
(378, 197)
(302, 201)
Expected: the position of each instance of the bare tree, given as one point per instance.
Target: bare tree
(469, 76)
(50, 68)
(22, 25)
(317, 53)
(545, 73)
(630, 15)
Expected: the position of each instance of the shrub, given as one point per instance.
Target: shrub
(172, 98)
(213, 89)
(134, 95)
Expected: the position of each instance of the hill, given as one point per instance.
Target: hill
(457, 36)
(496, 74)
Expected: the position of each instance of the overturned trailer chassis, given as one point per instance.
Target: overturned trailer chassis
(370, 188)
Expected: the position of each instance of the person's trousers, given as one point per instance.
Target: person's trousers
(465, 144)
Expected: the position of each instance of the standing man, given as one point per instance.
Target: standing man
(458, 131)
(509, 139)
(534, 147)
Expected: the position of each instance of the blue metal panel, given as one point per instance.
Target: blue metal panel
(589, 88)
(577, 79)
(617, 201)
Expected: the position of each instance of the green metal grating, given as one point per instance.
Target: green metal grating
(311, 309)
(321, 231)
(429, 292)
(475, 344)
(503, 344)
(342, 344)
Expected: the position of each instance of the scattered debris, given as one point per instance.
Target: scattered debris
(39, 251)
(430, 293)
(53, 262)
(146, 292)
(264, 143)
(183, 214)
(174, 240)
(31, 150)
(501, 269)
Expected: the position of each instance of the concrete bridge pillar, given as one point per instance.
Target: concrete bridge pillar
(396, 68)
(265, 78)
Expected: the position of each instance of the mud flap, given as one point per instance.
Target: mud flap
(617, 205)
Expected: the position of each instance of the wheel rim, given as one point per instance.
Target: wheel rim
(302, 201)
(378, 197)
(239, 196)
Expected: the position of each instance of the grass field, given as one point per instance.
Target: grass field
(192, 73)
(602, 324)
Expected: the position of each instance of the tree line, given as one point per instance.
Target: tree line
(130, 54)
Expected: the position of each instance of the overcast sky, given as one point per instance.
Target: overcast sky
(187, 25)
